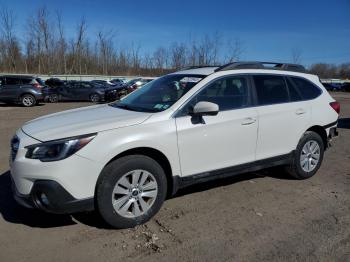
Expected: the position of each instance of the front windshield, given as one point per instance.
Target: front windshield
(160, 94)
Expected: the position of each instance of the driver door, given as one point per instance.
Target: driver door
(224, 140)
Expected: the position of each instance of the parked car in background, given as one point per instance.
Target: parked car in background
(346, 87)
(119, 81)
(103, 82)
(116, 93)
(137, 83)
(77, 91)
(120, 91)
(54, 82)
(24, 90)
(333, 86)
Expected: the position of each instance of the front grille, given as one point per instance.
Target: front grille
(14, 147)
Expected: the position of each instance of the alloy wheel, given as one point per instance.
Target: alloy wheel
(28, 101)
(134, 193)
(310, 155)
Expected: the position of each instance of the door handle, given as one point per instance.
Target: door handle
(300, 111)
(248, 121)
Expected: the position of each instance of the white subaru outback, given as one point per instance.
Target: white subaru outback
(124, 158)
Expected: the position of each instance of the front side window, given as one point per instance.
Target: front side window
(271, 89)
(228, 93)
(160, 94)
(13, 81)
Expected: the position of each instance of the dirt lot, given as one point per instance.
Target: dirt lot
(264, 216)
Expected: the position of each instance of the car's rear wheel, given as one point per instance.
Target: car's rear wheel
(130, 191)
(28, 100)
(94, 98)
(307, 157)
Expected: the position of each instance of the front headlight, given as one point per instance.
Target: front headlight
(58, 149)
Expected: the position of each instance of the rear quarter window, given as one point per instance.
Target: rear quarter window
(307, 89)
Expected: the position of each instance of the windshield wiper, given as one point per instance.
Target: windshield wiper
(137, 109)
(124, 106)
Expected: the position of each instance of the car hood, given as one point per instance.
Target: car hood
(82, 121)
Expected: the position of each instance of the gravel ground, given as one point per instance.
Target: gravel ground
(263, 216)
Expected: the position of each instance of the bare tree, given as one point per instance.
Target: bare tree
(234, 50)
(178, 55)
(77, 46)
(61, 44)
(10, 43)
(160, 58)
(296, 55)
(106, 49)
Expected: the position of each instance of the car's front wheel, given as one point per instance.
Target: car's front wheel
(130, 191)
(307, 157)
(53, 98)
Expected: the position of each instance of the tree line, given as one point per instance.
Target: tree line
(45, 48)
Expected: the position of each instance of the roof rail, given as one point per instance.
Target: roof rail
(262, 65)
(201, 66)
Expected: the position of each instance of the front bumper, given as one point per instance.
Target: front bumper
(51, 197)
(71, 180)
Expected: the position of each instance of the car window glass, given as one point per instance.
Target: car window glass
(13, 81)
(85, 85)
(270, 89)
(293, 91)
(26, 81)
(228, 93)
(306, 88)
(74, 85)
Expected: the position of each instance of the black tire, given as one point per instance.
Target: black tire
(94, 98)
(109, 178)
(295, 169)
(53, 98)
(28, 100)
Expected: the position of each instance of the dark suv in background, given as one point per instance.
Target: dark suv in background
(25, 90)
(76, 91)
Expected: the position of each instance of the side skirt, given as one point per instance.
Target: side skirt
(181, 182)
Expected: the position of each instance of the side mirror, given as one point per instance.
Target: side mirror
(205, 108)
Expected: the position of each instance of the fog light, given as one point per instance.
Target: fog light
(44, 200)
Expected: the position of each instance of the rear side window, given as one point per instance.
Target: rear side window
(271, 89)
(306, 88)
(86, 85)
(27, 81)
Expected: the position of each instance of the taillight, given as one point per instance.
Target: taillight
(336, 106)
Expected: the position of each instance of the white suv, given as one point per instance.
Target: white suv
(124, 158)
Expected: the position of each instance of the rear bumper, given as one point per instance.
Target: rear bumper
(333, 133)
(50, 196)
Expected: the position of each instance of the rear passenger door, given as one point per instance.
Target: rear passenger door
(283, 115)
(86, 89)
